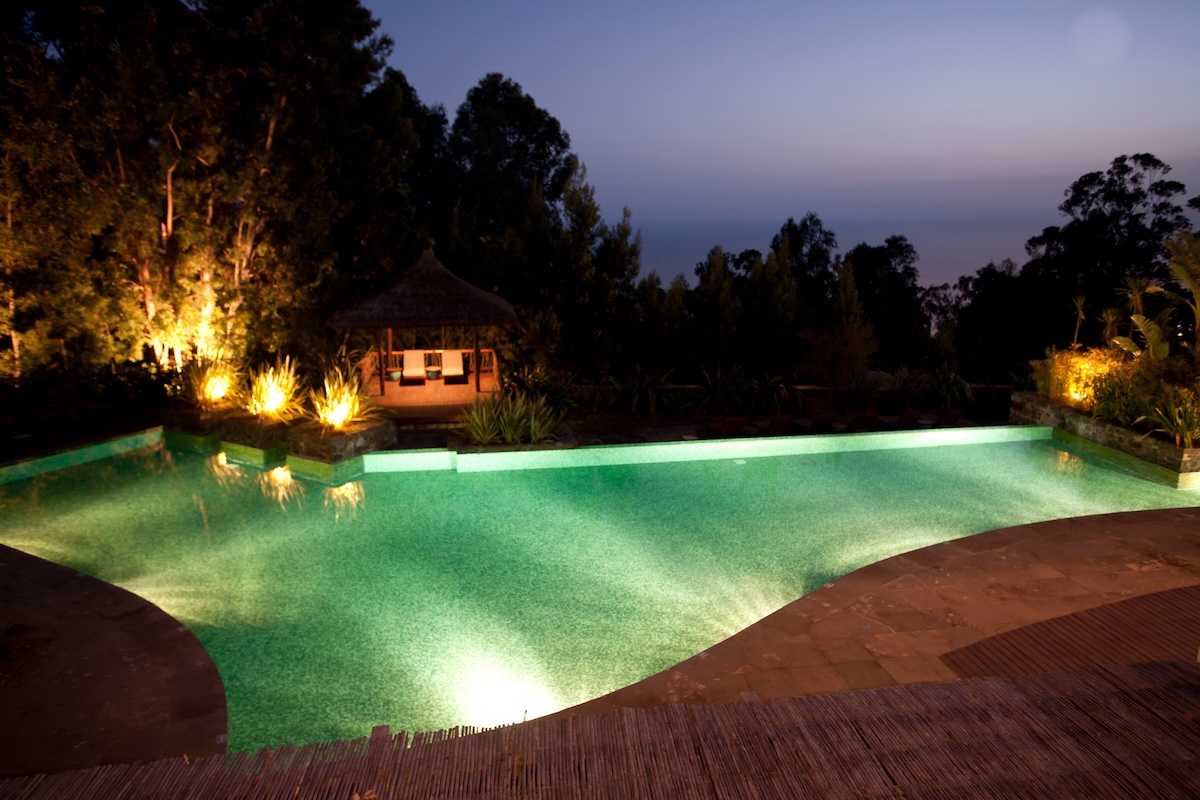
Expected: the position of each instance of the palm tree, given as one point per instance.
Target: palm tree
(1110, 317)
(1134, 288)
(1185, 268)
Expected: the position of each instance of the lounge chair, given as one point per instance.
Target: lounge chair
(452, 366)
(414, 368)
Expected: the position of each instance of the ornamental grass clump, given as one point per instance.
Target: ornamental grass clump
(274, 392)
(514, 418)
(480, 421)
(341, 401)
(211, 384)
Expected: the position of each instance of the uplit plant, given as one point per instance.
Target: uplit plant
(274, 392)
(341, 401)
(1070, 375)
(1123, 396)
(211, 384)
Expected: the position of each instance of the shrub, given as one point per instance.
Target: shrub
(723, 391)
(1177, 414)
(480, 421)
(1069, 376)
(641, 392)
(1131, 391)
(211, 384)
(513, 418)
(910, 388)
(275, 392)
(1121, 396)
(341, 401)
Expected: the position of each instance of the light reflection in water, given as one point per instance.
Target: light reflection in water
(490, 695)
(279, 485)
(227, 474)
(345, 498)
(1069, 463)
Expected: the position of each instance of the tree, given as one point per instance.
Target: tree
(767, 329)
(1185, 269)
(996, 334)
(200, 162)
(886, 280)
(1078, 302)
(716, 310)
(596, 269)
(806, 248)
(841, 350)
(1118, 222)
(512, 164)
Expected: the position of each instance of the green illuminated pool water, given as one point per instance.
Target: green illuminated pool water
(427, 599)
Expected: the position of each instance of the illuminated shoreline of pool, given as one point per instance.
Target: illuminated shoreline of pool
(457, 576)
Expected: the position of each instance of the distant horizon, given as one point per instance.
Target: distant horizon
(959, 126)
(974, 223)
(669, 247)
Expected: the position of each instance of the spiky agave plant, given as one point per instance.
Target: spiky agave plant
(480, 421)
(341, 401)
(274, 392)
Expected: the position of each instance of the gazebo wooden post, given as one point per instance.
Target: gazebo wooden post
(477, 361)
(380, 363)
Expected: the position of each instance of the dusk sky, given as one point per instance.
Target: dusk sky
(957, 124)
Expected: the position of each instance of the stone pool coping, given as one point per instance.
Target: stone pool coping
(889, 623)
(92, 674)
(885, 624)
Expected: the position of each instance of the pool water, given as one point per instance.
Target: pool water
(428, 599)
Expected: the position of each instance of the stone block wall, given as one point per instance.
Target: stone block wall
(1029, 408)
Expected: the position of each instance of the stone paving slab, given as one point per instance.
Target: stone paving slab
(888, 623)
(91, 674)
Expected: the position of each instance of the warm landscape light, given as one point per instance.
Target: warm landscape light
(340, 401)
(210, 383)
(273, 392)
(1075, 372)
(216, 387)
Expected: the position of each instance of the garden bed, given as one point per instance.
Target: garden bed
(312, 441)
(1175, 465)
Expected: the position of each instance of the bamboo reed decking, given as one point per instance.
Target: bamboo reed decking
(1119, 731)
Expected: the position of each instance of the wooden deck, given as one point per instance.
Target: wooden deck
(435, 400)
(1153, 627)
(1125, 731)
(426, 397)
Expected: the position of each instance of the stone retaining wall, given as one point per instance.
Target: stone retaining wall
(1029, 408)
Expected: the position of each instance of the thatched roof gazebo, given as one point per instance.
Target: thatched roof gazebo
(428, 295)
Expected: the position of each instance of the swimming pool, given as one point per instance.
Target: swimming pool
(480, 590)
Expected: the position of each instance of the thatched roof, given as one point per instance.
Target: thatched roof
(428, 295)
